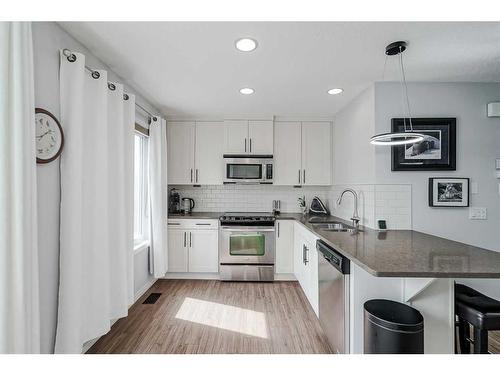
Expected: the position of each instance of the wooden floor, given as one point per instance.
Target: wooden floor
(494, 342)
(209, 316)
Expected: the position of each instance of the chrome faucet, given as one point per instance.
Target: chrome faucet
(355, 217)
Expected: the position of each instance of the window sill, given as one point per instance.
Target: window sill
(140, 245)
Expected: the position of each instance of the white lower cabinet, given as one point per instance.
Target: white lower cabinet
(177, 251)
(203, 251)
(191, 249)
(284, 247)
(306, 264)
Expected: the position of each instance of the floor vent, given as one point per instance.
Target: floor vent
(152, 298)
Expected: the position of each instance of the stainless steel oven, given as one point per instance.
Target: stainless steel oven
(247, 247)
(248, 169)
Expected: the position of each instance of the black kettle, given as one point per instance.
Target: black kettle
(187, 205)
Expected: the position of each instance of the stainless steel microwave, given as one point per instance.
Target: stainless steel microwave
(247, 169)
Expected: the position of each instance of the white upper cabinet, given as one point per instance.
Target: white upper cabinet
(209, 169)
(180, 138)
(195, 153)
(260, 137)
(236, 137)
(302, 153)
(254, 137)
(287, 155)
(316, 153)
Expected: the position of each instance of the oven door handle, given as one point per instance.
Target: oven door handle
(251, 229)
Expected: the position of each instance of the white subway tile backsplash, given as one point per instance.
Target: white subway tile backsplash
(375, 202)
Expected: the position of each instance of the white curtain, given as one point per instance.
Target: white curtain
(96, 205)
(19, 304)
(128, 176)
(158, 194)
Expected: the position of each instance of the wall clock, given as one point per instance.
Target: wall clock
(49, 136)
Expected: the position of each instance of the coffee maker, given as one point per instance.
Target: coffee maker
(174, 202)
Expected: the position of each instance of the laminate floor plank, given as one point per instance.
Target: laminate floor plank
(214, 317)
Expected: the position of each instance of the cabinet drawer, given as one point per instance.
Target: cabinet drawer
(193, 223)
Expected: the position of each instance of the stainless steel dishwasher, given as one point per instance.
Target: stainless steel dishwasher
(333, 272)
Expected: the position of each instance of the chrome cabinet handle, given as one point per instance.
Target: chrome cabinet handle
(191, 174)
(250, 144)
(304, 177)
(196, 174)
(184, 239)
(303, 253)
(299, 176)
(245, 145)
(278, 225)
(203, 224)
(306, 255)
(190, 239)
(174, 223)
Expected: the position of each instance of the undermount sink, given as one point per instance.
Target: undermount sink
(333, 226)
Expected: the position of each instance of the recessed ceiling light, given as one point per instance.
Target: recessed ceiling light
(247, 91)
(335, 91)
(246, 44)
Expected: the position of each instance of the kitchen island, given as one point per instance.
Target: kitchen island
(406, 266)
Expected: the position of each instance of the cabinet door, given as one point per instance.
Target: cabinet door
(236, 137)
(208, 153)
(180, 139)
(260, 137)
(284, 246)
(287, 153)
(298, 256)
(177, 250)
(203, 251)
(316, 153)
(312, 276)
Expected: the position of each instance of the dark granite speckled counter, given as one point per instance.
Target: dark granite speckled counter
(407, 253)
(196, 215)
(398, 253)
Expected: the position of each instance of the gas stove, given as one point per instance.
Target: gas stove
(247, 218)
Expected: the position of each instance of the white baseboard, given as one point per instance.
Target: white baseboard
(215, 276)
(192, 275)
(144, 289)
(284, 277)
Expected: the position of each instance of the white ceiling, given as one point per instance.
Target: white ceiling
(193, 68)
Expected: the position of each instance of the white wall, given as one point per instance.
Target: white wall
(478, 140)
(354, 156)
(48, 38)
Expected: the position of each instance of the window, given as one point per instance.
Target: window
(141, 197)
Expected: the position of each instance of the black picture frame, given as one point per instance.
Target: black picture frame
(441, 131)
(457, 185)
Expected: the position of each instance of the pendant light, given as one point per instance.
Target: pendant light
(408, 136)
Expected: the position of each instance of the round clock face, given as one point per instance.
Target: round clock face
(49, 136)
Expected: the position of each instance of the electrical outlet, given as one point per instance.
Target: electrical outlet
(477, 213)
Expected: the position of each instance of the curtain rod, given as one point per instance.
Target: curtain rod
(72, 58)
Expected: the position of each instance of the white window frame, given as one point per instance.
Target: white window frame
(142, 240)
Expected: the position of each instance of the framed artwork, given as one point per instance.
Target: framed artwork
(437, 152)
(448, 192)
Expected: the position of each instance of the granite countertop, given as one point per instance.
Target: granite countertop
(407, 253)
(196, 215)
(397, 253)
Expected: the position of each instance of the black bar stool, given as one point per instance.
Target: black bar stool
(478, 310)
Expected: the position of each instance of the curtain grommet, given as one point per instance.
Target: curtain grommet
(111, 86)
(125, 96)
(95, 74)
(71, 58)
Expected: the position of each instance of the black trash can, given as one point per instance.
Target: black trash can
(392, 328)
